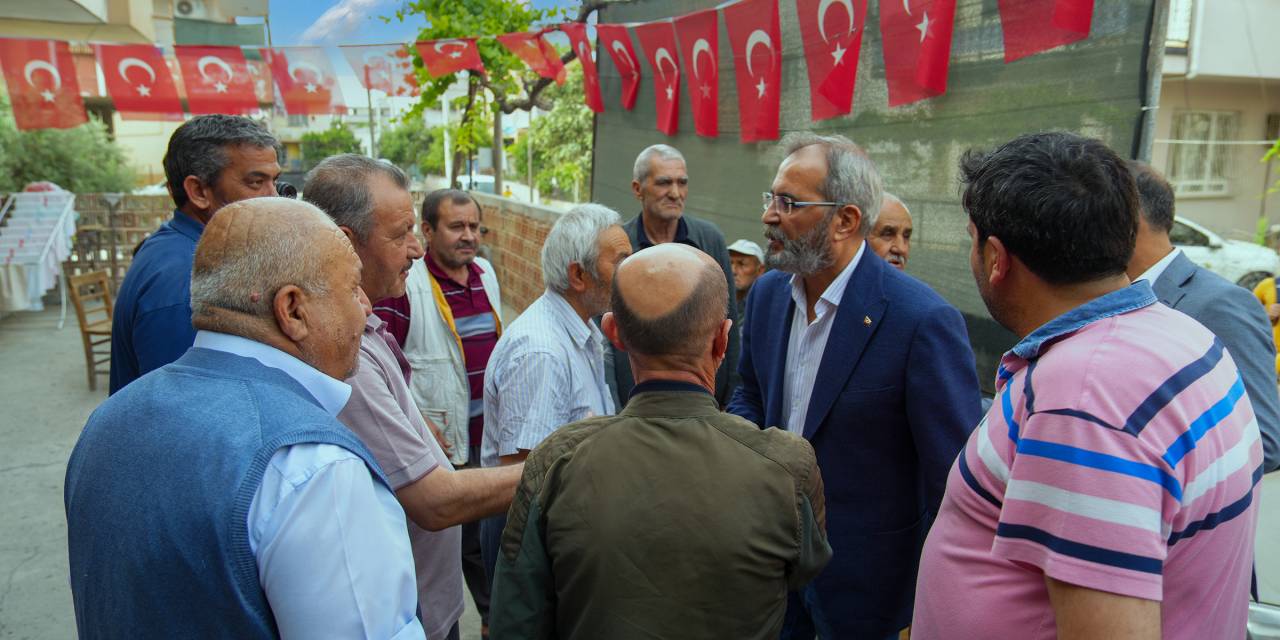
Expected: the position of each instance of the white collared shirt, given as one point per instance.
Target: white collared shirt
(808, 341)
(1156, 270)
(331, 543)
(546, 371)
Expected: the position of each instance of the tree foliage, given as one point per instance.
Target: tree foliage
(83, 159)
(318, 145)
(412, 145)
(561, 143)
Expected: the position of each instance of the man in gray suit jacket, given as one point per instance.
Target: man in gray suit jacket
(1229, 311)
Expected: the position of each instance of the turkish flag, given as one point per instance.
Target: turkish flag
(385, 68)
(577, 33)
(658, 39)
(308, 84)
(42, 84)
(832, 35)
(536, 52)
(138, 79)
(217, 80)
(613, 38)
(917, 48)
(1032, 26)
(447, 57)
(757, 59)
(699, 35)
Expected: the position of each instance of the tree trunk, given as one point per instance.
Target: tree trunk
(497, 152)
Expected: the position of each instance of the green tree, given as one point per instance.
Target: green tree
(509, 85)
(318, 145)
(561, 143)
(83, 159)
(406, 144)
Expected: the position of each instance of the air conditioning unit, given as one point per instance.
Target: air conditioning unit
(191, 9)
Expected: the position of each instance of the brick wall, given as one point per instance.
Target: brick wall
(516, 233)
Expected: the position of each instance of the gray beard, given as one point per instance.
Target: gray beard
(803, 256)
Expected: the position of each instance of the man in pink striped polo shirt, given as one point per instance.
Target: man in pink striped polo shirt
(1111, 491)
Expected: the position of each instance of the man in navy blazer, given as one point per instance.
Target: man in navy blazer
(1229, 311)
(872, 367)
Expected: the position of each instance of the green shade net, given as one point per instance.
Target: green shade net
(1094, 87)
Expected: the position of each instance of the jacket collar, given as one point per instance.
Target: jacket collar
(1169, 286)
(1134, 296)
(186, 225)
(668, 399)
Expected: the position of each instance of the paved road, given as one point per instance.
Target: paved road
(44, 401)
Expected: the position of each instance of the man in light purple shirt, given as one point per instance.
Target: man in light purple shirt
(370, 202)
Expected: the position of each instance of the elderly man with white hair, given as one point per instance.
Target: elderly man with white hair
(547, 369)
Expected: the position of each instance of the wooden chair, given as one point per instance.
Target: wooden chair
(91, 294)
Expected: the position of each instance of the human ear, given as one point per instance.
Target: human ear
(997, 258)
(290, 311)
(720, 343)
(199, 193)
(577, 278)
(609, 326)
(847, 221)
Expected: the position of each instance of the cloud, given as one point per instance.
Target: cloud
(340, 20)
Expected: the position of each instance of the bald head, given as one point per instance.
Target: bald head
(669, 300)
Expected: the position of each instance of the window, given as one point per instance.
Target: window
(1185, 236)
(297, 120)
(1200, 153)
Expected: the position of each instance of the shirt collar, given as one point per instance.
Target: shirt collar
(580, 332)
(834, 292)
(1134, 296)
(1156, 270)
(666, 385)
(331, 394)
(187, 225)
(682, 233)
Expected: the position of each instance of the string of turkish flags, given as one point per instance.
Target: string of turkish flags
(44, 90)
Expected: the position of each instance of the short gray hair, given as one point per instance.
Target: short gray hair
(264, 266)
(640, 172)
(885, 199)
(575, 237)
(852, 177)
(339, 185)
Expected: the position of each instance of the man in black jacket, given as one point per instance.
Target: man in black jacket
(660, 182)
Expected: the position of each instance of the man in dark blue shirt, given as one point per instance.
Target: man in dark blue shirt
(211, 162)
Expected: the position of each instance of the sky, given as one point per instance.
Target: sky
(334, 22)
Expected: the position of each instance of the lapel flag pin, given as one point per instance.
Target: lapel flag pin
(866, 320)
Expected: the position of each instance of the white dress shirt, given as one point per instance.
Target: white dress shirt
(331, 543)
(1156, 270)
(808, 341)
(546, 371)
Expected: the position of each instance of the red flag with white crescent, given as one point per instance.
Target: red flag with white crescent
(449, 56)
(832, 34)
(536, 52)
(42, 84)
(756, 42)
(917, 47)
(1032, 26)
(138, 79)
(385, 68)
(658, 39)
(699, 35)
(308, 84)
(217, 80)
(577, 33)
(614, 40)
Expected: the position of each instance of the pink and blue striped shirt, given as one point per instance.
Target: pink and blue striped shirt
(1121, 454)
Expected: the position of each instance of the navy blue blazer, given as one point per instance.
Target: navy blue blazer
(895, 399)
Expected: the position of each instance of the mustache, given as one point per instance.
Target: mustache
(465, 244)
(774, 233)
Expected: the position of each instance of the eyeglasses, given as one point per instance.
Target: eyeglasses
(785, 204)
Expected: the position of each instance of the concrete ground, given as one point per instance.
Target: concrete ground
(44, 402)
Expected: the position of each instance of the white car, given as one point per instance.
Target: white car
(1243, 263)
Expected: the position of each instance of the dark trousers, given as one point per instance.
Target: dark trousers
(490, 539)
(806, 620)
(473, 565)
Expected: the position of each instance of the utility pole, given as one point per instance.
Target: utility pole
(497, 151)
(533, 191)
(448, 150)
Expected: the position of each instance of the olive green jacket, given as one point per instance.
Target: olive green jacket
(668, 520)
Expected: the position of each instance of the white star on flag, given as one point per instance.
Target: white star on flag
(924, 26)
(144, 90)
(760, 89)
(311, 87)
(838, 54)
(670, 93)
(455, 55)
(220, 87)
(47, 95)
(706, 91)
